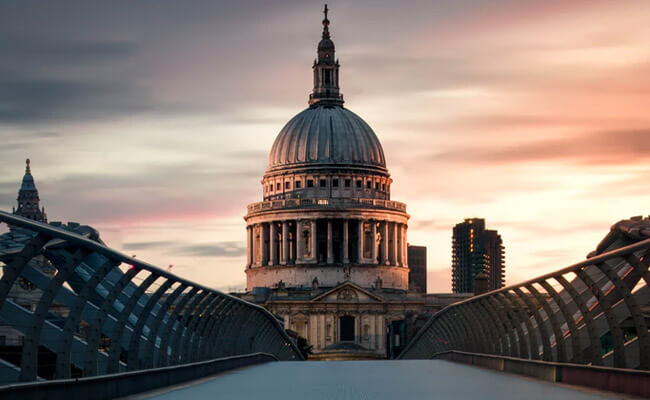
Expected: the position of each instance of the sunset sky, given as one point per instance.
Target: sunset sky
(152, 120)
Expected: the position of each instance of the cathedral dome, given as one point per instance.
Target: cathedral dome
(325, 135)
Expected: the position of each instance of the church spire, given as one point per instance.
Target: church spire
(326, 71)
(28, 200)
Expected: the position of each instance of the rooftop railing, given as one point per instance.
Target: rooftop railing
(326, 203)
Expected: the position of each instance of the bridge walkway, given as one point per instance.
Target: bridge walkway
(369, 380)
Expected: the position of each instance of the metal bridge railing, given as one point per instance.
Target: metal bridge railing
(98, 311)
(593, 312)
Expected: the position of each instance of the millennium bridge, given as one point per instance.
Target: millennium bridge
(104, 325)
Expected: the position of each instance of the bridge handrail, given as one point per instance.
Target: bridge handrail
(74, 238)
(510, 320)
(188, 330)
(123, 384)
(621, 380)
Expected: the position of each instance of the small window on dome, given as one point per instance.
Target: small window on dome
(359, 184)
(287, 185)
(383, 187)
(335, 182)
(323, 183)
(298, 184)
(277, 186)
(376, 185)
(348, 182)
(310, 183)
(369, 184)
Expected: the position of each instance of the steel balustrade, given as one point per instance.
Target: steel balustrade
(571, 315)
(103, 312)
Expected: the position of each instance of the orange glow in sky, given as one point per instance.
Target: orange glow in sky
(532, 115)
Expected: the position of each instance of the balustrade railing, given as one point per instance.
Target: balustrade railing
(326, 203)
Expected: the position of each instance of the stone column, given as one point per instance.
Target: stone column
(284, 259)
(321, 331)
(292, 246)
(393, 260)
(360, 243)
(346, 256)
(314, 240)
(258, 247)
(405, 249)
(381, 339)
(373, 238)
(330, 243)
(300, 243)
(384, 243)
(400, 248)
(249, 245)
(358, 333)
(265, 245)
(273, 235)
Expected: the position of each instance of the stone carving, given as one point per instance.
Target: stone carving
(347, 295)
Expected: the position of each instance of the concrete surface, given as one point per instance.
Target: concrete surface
(376, 380)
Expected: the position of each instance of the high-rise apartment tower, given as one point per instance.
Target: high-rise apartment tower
(476, 249)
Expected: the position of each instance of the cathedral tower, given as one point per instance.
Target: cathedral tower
(28, 200)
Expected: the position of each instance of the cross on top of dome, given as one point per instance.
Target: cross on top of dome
(326, 71)
(326, 24)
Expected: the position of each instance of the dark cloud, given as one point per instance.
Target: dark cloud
(47, 79)
(42, 99)
(510, 121)
(598, 148)
(32, 51)
(148, 245)
(222, 249)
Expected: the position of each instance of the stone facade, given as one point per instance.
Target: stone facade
(320, 313)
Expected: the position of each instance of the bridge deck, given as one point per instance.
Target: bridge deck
(376, 380)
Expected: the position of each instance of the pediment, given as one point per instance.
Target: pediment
(347, 292)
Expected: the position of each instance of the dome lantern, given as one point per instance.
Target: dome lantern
(326, 71)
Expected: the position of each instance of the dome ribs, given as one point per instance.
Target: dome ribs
(343, 154)
(300, 150)
(293, 145)
(326, 135)
(366, 141)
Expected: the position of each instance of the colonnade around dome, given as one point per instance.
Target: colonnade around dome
(349, 246)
